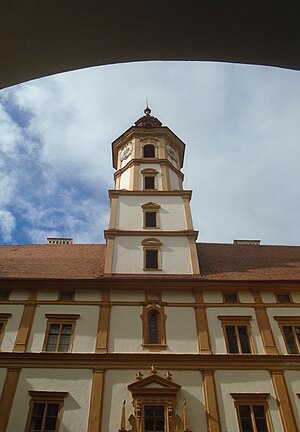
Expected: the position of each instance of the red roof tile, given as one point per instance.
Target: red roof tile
(84, 261)
(247, 262)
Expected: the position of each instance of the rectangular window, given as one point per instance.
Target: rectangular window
(66, 295)
(237, 334)
(290, 328)
(252, 412)
(154, 418)
(151, 258)
(60, 332)
(149, 182)
(230, 297)
(283, 298)
(44, 411)
(150, 219)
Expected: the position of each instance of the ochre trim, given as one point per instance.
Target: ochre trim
(113, 212)
(109, 255)
(26, 323)
(96, 402)
(284, 402)
(120, 192)
(165, 176)
(180, 233)
(188, 213)
(202, 325)
(194, 256)
(103, 324)
(264, 325)
(211, 403)
(7, 396)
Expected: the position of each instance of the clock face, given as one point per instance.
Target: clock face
(126, 151)
(171, 152)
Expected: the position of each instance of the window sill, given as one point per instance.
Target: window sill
(155, 347)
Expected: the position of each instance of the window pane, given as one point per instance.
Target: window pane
(53, 337)
(230, 298)
(290, 340)
(151, 259)
(66, 295)
(153, 328)
(231, 340)
(244, 340)
(37, 417)
(297, 331)
(245, 418)
(260, 418)
(64, 340)
(149, 151)
(154, 419)
(149, 182)
(150, 219)
(283, 298)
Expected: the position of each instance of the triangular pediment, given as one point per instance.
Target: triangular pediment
(153, 382)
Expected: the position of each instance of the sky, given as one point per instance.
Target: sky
(240, 123)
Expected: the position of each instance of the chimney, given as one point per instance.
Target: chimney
(59, 240)
(247, 242)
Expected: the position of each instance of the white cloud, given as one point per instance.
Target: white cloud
(240, 124)
(7, 225)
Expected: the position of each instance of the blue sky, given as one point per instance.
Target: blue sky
(240, 125)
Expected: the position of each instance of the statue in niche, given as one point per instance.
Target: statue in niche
(132, 421)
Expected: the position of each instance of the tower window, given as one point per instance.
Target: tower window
(150, 219)
(149, 151)
(151, 259)
(149, 182)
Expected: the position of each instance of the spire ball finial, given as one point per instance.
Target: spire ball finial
(147, 111)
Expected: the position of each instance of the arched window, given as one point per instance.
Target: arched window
(154, 331)
(149, 151)
(153, 319)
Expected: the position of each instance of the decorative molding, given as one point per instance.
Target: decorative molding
(96, 401)
(190, 234)
(7, 396)
(161, 323)
(26, 323)
(211, 402)
(122, 192)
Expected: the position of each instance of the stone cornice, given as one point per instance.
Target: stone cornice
(136, 361)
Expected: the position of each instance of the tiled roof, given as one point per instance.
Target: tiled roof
(80, 261)
(86, 261)
(247, 262)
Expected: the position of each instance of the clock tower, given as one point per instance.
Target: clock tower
(150, 229)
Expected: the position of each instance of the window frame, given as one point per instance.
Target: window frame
(252, 399)
(290, 300)
(145, 317)
(45, 397)
(236, 321)
(60, 319)
(149, 172)
(152, 244)
(289, 321)
(4, 317)
(153, 208)
(231, 293)
(62, 293)
(155, 151)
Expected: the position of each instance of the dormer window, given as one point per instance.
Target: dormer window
(149, 151)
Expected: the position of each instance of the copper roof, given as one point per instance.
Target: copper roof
(80, 261)
(243, 262)
(86, 261)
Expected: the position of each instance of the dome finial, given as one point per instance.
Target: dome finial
(147, 110)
